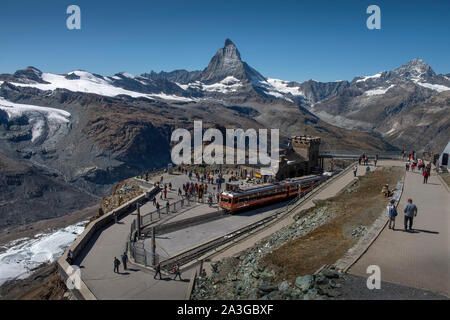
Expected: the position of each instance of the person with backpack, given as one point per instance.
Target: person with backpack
(124, 260)
(392, 213)
(70, 257)
(116, 265)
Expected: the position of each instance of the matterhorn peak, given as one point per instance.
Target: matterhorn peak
(228, 42)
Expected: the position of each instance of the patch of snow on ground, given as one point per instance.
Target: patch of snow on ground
(378, 91)
(436, 87)
(21, 257)
(89, 83)
(278, 95)
(282, 86)
(229, 84)
(35, 114)
(370, 77)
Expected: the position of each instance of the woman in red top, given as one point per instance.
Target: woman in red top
(426, 174)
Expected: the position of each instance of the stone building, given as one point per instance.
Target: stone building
(300, 158)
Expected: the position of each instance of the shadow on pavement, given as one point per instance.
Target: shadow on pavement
(425, 231)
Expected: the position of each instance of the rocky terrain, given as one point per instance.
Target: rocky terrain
(28, 194)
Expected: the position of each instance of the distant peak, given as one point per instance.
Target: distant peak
(36, 70)
(416, 68)
(228, 42)
(417, 62)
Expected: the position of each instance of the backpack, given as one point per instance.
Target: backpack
(393, 211)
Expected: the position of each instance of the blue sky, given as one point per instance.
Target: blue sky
(291, 40)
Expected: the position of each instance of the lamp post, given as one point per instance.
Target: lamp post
(138, 220)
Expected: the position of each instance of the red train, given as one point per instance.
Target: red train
(259, 195)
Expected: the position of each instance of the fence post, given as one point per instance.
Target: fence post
(153, 246)
(145, 257)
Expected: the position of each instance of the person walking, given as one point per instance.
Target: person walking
(177, 272)
(355, 170)
(392, 213)
(410, 213)
(158, 271)
(116, 265)
(70, 257)
(426, 174)
(124, 260)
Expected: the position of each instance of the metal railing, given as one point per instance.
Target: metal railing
(172, 208)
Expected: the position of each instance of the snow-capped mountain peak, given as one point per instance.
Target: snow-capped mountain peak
(414, 70)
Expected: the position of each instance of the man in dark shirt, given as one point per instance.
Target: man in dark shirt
(116, 265)
(158, 271)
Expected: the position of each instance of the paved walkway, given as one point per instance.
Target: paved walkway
(421, 258)
(96, 261)
(97, 270)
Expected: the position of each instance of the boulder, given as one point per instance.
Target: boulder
(304, 283)
(267, 288)
(329, 273)
(284, 285)
(312, 294)
(327, 291)
(320, 279)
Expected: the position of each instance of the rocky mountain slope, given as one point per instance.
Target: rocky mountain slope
(408, 106)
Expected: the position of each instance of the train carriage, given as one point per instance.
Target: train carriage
(260, 195)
